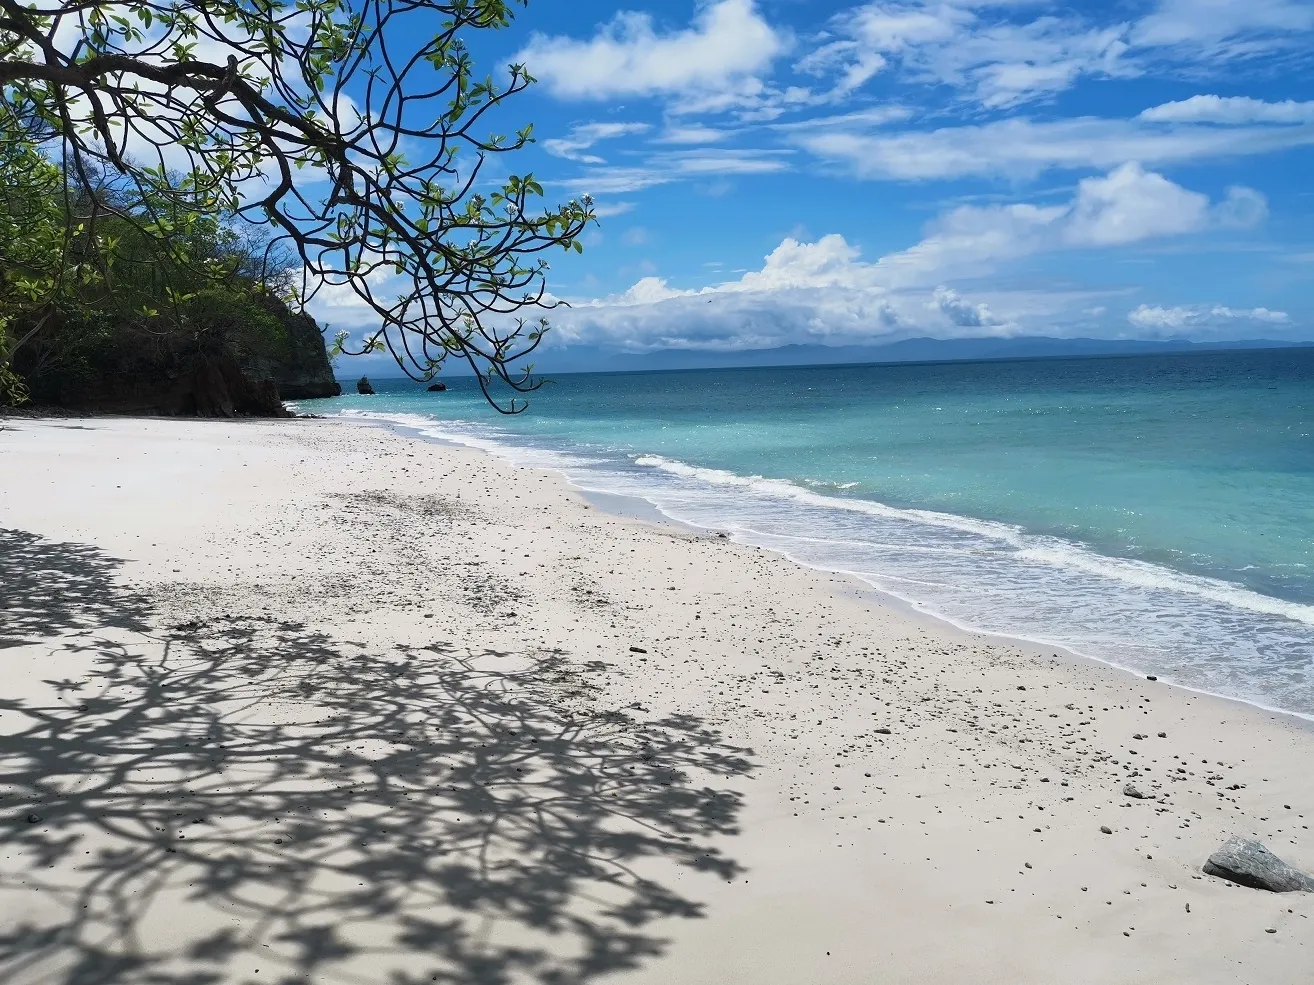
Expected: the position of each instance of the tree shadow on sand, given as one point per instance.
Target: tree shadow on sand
(253, 801)
(48, 588)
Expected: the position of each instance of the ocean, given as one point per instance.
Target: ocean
(1152, 512)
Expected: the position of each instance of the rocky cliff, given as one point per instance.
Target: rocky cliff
(100, 368)
(304, 372)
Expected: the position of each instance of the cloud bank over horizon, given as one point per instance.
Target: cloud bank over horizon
(842, 173)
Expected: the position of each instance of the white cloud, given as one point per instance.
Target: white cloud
(1022, 148)
(1002, 54)
(824, 291)
(1169, 321)
(1131, 204)
(581, 138)
(1244, 208)
(1128, 205)
(693, 135)
(721, 54)
(963, 313)
(1233, 110)
(672, 166)
(605, 210)
(1212, 22)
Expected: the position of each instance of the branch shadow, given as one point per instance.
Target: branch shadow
(251, 800)
(48, 588)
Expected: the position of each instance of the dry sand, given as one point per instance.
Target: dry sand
(312, 701)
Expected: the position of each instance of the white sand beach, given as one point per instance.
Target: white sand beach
(309, 701)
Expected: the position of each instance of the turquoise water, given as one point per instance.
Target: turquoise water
(1155, 512)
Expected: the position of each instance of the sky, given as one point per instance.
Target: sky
(771, 172)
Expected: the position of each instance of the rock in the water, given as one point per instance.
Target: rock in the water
(438, 388)
(363, 386)
(1131, 791)
(1248, 863)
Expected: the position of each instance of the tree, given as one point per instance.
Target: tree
(354, 130)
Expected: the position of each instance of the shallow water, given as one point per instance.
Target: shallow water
(1155, 512)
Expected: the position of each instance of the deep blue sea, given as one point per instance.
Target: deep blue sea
(1154, 512)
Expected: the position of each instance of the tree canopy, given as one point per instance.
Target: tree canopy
(356, 132)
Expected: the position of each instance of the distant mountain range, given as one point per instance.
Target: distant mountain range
(906, 350)
(585, 359)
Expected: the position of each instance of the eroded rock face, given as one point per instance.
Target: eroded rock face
(305, 372)
(210, 376)
(1248, 863)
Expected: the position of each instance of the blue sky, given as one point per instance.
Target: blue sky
(793, 171)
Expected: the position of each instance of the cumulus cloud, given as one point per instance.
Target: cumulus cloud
(824, 291)
(1127, 205)
(721, 53)
(963, 313)
(1131, 204)
(1169, 321)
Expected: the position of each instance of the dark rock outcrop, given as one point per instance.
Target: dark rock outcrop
(304, 372)
(206, 375)
(363, 386)
(1248, 863)
(438, 388)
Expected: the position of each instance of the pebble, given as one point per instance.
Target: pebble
(1106, 829)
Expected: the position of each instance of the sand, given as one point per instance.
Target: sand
(313, 701)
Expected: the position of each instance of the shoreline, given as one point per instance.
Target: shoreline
(642, 510)
(450, 719)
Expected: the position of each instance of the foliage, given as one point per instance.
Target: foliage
(337, 124)
(86, 292)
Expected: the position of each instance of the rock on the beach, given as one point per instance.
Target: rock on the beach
(1248, 863)
(1130, 791)
(363, 385)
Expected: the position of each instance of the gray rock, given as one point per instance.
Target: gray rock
(1248, 863)
(363, 386)
(1131, 791)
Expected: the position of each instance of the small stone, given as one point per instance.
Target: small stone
(1130, 791)
(1270, 930)
(1151, 677)
(883, 731)
(637, 649)
(1106, 829)
(34, 819)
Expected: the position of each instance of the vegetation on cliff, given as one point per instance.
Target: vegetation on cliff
(351, 135)
(95, 314)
